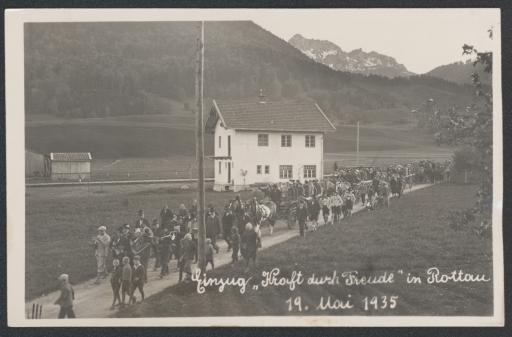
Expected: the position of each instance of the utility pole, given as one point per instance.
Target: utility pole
(200, 149)
(357, 145)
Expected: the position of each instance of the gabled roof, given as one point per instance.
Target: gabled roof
(292, 116)
(70, 156)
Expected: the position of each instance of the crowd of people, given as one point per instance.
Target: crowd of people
(174, 234)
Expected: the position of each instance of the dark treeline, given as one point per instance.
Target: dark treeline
(109, 69)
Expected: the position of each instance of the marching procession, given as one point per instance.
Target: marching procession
(124, 255)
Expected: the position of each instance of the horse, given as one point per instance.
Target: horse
(262, 212)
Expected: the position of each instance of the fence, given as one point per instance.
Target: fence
(37, 311)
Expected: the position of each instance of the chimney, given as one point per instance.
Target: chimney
(262, 96)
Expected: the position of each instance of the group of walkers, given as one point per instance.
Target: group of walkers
(335, 196)
(174, 234)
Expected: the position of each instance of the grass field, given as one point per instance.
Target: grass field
(412, 235)
(60, 223)
(156, 136)
(163, 146)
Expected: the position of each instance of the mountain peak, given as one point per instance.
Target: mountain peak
(356, 61)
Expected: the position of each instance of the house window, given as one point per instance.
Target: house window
(309, 171)
(286, 140)
(267, 169)
(263, 139)
(220, 167)
(258, 169)
(310, 141)
(285, 171)
(220, 142)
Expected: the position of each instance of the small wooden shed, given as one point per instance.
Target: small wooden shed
(74, 166)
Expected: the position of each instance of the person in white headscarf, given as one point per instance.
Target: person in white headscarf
(101, 245)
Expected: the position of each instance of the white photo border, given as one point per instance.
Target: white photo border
(15, 180)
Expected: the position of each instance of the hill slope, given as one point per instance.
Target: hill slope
(108, 69)
(356, 61)
(460, 72)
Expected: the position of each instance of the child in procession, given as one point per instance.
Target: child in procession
(115, 282)
(138, 279)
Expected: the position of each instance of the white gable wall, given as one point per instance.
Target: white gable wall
(221, 150)
(246, 155)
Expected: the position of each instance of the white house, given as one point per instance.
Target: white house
(261, 141)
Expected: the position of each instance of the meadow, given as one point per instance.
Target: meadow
(157, 136)
(412, 235)
(61, 223)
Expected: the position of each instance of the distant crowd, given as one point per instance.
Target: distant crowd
(174, 234)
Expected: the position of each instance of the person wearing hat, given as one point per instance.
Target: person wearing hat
(125, 242)
(212, 226)
(65, 300)
(227, 223)
(141, 221)
(166, 216)
(302, 215)
(101, 246)
(164, 250)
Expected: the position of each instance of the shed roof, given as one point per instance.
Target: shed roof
(70, 156)
(298, 116)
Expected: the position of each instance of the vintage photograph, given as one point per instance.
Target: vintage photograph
(254, 167)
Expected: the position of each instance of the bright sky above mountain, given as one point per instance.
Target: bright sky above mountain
(421, 39)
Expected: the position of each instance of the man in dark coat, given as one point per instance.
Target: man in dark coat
(318, 187)
(124, 245)
(275, 196)
(183, 218)
(212, 226)
(244, 220)
(227, 224)
(302, 216)
(164, 249)
(67, 295)
(166, 216)
(141, 221)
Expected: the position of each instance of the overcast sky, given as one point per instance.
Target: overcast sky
(419, 39)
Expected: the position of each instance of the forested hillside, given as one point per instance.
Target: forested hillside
(109, 69)
(461, 72)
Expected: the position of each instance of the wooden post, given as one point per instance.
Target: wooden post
(200, 149)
